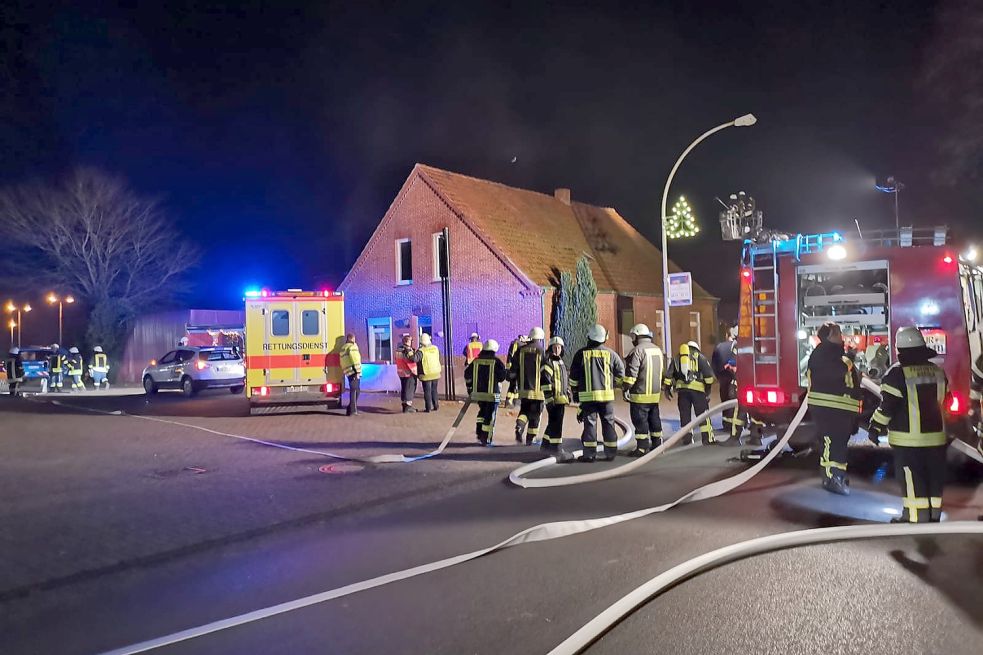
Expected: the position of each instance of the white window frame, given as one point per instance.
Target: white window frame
(380, 321)
(435, 252)
(399, 261)
(698, 324)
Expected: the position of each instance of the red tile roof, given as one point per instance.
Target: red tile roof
(540, 234)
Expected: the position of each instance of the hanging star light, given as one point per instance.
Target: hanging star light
(682, 222)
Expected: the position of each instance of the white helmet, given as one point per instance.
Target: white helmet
(909, 337)
(491, 345)
(425, 339)
(14, 350)
(536, 333)
(55, 346)
(73, 350)
(641, 330)
(693, 345)
(557, 341)
(474, 335)
(97, 349)
(597, 333)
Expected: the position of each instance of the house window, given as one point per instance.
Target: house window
(439, 256)
(380, 339)
(425, 325)
(310, 323)
(695, 333)
(280, 322)
(404, 261)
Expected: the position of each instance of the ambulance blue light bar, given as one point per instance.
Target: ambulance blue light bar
(252, 293)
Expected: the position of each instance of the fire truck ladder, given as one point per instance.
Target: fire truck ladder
(764, 309)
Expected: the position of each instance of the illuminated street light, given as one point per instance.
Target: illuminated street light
(52, 299)
(742, 121)
(12, 308)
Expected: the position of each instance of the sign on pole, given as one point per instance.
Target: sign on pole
(680, 289)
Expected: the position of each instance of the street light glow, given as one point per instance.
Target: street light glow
(69, 299)
(10, 306)
(971, 254)
(27, 308)
(52, 298)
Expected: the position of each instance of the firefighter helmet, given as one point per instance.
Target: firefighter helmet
(97, 349)
(55, 346)
(597, 334)
(14, 350)
(425, 339)
(909, 337)
(491, 345)
(73, 350)
(641, 330)
(557, 341)
(693, 345)
(474, 336)
(536, 333)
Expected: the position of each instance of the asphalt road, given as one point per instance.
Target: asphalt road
(164, 564)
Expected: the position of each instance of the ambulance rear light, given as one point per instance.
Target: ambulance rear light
(261, 391)
(330, 388)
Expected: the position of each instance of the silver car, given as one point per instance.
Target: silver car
(192, 369)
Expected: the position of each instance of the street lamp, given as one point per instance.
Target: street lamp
(746, 120)
(893, 186)
(11, 308)
(52, 299)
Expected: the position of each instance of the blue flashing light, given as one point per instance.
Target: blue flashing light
(837, 236)
(252, 293)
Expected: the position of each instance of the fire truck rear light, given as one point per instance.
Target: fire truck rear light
(772, 398)
(955, 404)
(947, 259)
(746, 274)
(748, 397)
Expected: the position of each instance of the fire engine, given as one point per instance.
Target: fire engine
(870, 286)
(292, 345)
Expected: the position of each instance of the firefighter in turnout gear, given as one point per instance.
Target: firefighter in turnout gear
(75, 370)
(406, 370)
(595, 372)
(834, 403)
(99, 369)
(525, 370)
(518, 342)
(15, 370)
(55, 367)
(691, 377)
(913, 393)
(351, 368)
(645, 368)
(555, 382)
(482, 378)
(472, 349)
(724, 365)
(428, 369)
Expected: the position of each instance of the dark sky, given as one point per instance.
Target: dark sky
(279, 132)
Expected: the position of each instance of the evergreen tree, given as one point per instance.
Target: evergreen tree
(583, 314)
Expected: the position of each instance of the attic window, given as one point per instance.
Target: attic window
(404, 261)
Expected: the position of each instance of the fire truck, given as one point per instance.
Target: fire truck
(292, 344)
(871, 286)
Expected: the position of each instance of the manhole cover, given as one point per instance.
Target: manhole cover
(340, 467)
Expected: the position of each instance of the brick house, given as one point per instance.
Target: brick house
(506, 245)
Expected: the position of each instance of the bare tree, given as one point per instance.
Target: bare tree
(91, 234)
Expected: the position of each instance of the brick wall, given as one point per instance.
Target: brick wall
(486, 296)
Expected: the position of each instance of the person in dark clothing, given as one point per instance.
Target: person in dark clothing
(483, 378)
(724, 365)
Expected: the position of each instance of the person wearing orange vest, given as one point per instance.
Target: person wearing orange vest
(472, 349)
(406, 370)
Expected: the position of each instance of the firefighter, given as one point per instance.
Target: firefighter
(690, 376)
(428, 369)
(511, 395)
(724, 365)
(482, 378)
(472, 349)
(555, 381)
(645, 368)
(406, 370)
(99, 368)
(75, 369)
(15, 370)
(351, 366)
(55, 363)
(834, 402)
(912, 395)
(595, 371)
(525, 370)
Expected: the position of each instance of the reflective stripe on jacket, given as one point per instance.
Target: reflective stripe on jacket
(911, 405)
(483, 377)
(594, 373)
(555, 382)
(645, 368)
(405, 362)
(351, 359)
(526, 369)
(833, 381)
(471, 351)
(692, 373)
(99, 364)
(428, 358)
(74, 363)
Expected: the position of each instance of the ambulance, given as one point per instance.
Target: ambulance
(870, 286)
(292, 344)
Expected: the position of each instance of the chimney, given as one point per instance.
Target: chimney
(563, 195)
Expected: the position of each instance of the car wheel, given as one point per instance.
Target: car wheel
(236, 390)
(149, 385)
(188, 387)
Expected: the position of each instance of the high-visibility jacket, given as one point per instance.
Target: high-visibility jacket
(513, 349)
(406, 362)
(833, 381)
(689, 370)
(555, 381)
(645, 369)
(351, 359)
(595, 372)
(526, 370)
(912, 398)
(74, 363)
(471, 351)
(99, 363)
(483, 377)
(428, 360)
(54, 362)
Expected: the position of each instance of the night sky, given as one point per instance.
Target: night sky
(278, 133)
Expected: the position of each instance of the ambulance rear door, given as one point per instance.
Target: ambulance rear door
(282, 326)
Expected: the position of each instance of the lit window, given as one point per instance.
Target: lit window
(404, 261)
